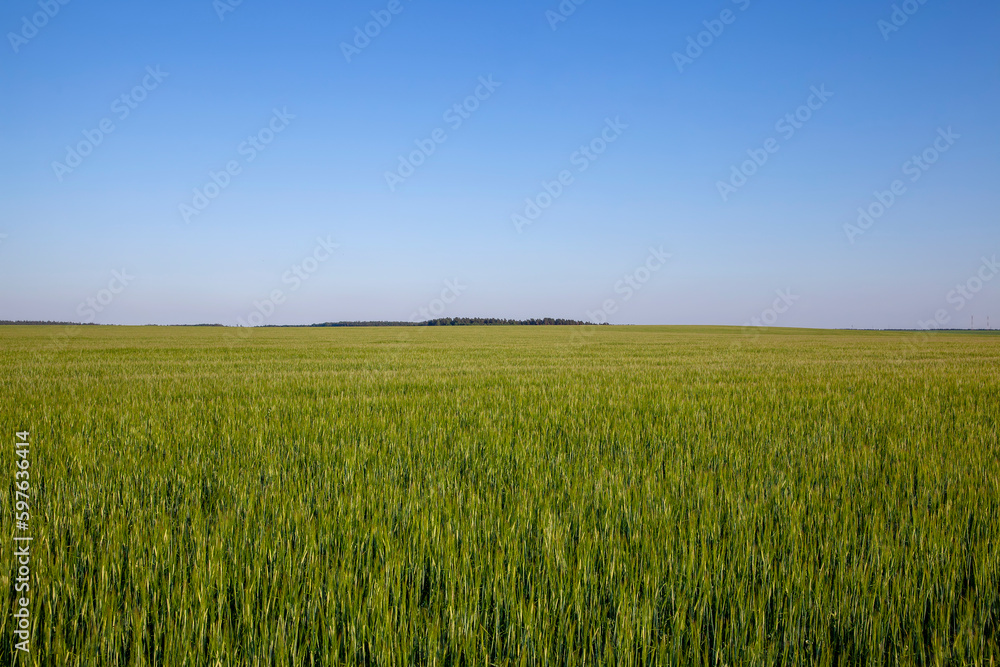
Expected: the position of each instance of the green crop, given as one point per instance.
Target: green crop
(504, 495)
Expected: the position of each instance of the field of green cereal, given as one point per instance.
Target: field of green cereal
(504, 495)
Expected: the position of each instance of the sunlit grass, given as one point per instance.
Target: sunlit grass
(525, 495)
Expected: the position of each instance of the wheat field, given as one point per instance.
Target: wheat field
(505, 496)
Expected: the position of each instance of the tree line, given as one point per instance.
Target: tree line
(463, 322)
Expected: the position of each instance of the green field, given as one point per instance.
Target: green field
(504, 495)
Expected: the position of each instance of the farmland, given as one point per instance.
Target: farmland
(505, 495)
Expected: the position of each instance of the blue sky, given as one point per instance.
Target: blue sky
(444, 240)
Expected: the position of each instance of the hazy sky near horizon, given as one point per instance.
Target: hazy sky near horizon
(641, 162)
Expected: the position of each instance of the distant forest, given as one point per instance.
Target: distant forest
(41, 323)
(442, 322)
(462, 322)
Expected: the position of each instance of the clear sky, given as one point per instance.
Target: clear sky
(356, 190)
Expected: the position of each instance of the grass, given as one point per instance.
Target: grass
(522, 496)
